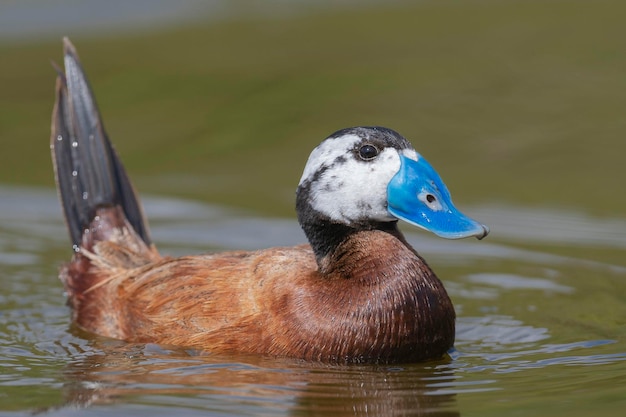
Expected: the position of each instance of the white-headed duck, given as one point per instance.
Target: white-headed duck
(358, 292)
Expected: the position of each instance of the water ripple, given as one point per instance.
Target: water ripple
(41, 352)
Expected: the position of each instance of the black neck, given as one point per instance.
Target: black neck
(326, 235)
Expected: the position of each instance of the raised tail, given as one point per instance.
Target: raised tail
(89, 174)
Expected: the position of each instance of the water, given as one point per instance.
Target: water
(538, 330)
(28, 20)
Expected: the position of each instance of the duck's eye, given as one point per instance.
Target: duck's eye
(367, 152)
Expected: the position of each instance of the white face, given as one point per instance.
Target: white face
(347, 188)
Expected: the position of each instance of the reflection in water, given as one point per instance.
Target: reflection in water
(554, 226)
(527, 313)
(121, 371)
(30, 19)
(496, 330)
(512, 281)
(549, 354)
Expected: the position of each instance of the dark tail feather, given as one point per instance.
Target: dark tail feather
(89, 173)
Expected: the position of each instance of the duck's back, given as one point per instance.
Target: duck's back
(120, 287)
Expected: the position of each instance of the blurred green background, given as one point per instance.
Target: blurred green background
(520, 102)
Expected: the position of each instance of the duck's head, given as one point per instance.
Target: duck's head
(369, 177)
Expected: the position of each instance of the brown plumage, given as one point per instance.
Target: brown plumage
(361, 293)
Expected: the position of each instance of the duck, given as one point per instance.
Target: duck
(357, 292)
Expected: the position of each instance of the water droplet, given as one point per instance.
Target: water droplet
(74, 144)
(59, 138)
(74, 173)
(76, 248)
(85, 195)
